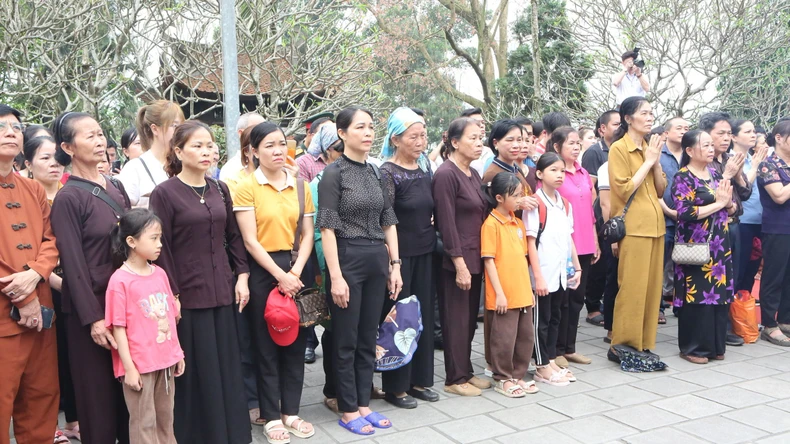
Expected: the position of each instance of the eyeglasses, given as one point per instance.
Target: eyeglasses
(16, 126)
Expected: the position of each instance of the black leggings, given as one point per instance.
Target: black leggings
(547, 314)
(571, 307)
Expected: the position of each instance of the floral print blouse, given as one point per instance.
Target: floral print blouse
(712, 283)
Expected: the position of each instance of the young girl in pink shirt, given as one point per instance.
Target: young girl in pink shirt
(142, 312)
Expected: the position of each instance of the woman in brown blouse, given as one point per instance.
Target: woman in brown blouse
(460, 211)
(83, 214)
(197, 221)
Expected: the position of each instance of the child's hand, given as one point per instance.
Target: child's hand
(541, 288)
(132, 380)
(501, 303)
(180, 367)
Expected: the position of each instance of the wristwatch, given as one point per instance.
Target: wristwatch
(396, 261)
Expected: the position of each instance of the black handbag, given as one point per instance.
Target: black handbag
(614, 229)
(312, 306)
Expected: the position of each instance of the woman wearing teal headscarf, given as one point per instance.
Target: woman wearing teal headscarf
(409, 188)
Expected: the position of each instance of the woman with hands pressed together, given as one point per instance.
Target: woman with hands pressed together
(704, 202)
(460, 210)
(267, 207)
(356, 220)
(197, 221)
(634, 169)
(82, 221)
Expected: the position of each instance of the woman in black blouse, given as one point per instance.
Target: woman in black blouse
(408, 187)
(460, 211)
(197, 220)
(356, 221)
(82, 220)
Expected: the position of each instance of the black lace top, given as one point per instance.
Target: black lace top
(412, 199)
(351, 201)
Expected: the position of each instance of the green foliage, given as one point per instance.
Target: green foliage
(758, 92)
(564, 68)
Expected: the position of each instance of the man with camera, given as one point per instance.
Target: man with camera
(630, 81)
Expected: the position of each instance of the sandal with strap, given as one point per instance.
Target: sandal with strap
(556, 379)
(509, 392)
(782, 341)
(255, 417)
(356, 425)
(73, 433)
(566, 373)
(276, 426)
(298, 431)
(529, 387)
(60, 438)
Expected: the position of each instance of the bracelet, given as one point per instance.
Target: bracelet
(294, 274)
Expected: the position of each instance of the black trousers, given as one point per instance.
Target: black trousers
(416, 273)
(612, 287)
(67, 402)
(775, 283)
(437, 317)
(280, 369)
(546, 320)
(748, 267)
(329, 362)
(458, 309)
(248, 361)
(571, 307)
(702, 329)
(365, 269)
(596, 281)
(100, 403)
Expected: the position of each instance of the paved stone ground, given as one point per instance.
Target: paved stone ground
(743, 399)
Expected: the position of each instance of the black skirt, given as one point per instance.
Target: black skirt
(210, 405)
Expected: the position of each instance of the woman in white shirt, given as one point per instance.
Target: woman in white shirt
(155, 124)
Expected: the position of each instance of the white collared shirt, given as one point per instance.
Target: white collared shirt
(629, 87)
(555, 242)
(231, 167)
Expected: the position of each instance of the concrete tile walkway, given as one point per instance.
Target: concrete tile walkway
(743, 399)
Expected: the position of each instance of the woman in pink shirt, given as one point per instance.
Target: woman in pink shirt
(578, 190)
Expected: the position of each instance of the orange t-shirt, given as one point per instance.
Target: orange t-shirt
(506, 241)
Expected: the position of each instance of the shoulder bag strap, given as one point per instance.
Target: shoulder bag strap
(148, 171)
(219, 188)
(298, 234)
(98, 192)
(628, 204)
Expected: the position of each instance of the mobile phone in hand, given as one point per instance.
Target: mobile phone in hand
(47, 316)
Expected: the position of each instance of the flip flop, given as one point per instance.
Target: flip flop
(355, 426)
(375, 419)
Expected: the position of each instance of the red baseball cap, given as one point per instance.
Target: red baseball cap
(282, 318)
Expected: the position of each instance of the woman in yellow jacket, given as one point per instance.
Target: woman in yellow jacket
(634, 167)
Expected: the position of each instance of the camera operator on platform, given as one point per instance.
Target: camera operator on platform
(630, 81)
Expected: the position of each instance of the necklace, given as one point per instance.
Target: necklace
(129, 267)
(201, 196)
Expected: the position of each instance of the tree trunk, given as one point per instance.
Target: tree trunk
(536, 99)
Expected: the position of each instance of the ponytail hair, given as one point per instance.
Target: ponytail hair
(782, 128)
(132, 223)
(690, 139)
(629, 107)
(161, 113)
(503, 184)
(344, 120)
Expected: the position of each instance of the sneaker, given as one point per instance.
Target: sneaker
(733, 340)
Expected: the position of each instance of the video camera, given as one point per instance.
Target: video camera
(638, 61)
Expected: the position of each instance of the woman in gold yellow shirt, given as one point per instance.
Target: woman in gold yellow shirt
(634, 168)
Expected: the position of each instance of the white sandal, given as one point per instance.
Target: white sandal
(566, 373)
(556, 379)
(297, 431)
(510, 392)
(529, 387)
(276, 426)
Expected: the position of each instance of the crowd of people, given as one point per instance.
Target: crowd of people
(163, 287)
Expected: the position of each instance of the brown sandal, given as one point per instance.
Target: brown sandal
(255, 417)
(331, 404)
(694, 359)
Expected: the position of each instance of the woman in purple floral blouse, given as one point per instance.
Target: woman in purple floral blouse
(703, 293)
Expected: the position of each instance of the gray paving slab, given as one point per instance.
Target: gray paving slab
(595, 430)
(762, 417)
(663, 436)
(691, 406)
(623, 395)
(466, 431)
(734, 397)
(577, 406)
(644, 417)
(721, 430)
(538, 435)
(419, 435)
(709, 378)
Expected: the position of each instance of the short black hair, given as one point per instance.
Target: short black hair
(471, 112)
(317, 124)
(709, 120)
(629, 55)
(418, 111)
(606, 117)
(521, 120)
(537, 128)
(554, 120)
(6, 110)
